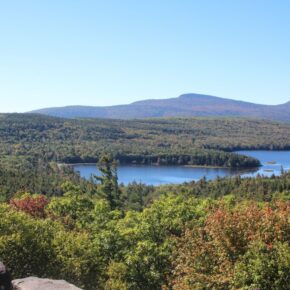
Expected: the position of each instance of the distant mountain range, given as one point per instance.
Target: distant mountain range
(184, 106)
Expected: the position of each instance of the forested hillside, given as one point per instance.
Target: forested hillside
(32, 146)
(187, 105)
(185, 192)
(160, 141)
(98, 234)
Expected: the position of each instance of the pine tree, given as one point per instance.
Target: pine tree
(108, 180)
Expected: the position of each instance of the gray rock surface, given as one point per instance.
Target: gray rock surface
(34, 283)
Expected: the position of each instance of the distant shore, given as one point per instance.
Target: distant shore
(156, 165)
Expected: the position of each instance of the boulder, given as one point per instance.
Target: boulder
(34, 283)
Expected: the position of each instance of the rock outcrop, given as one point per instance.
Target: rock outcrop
(31, 283)
(34, 283)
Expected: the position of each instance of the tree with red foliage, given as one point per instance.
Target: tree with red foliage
(32, 204)
(211, 256)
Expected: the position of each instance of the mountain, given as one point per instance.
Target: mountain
(184, 106)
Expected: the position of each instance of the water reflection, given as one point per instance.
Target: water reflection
(272, 162)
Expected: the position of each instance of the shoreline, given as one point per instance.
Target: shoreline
(159, 165)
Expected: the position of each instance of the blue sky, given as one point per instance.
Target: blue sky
(81, 52)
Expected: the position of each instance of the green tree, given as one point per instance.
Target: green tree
(108, 187)
(264, 267)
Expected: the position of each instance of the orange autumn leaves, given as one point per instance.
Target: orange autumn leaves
(207, 255)
(182, 242)
(32, 204)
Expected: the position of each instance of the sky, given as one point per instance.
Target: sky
(81, 52)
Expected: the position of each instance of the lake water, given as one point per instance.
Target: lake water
(157, 175)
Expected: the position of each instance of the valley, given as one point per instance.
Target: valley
(157, 182)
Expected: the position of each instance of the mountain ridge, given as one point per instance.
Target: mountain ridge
(186, 105)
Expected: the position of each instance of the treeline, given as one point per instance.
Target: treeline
(198, 157)
(181, 240)
(229, 233)
(259, 189)
(33, 175)
(184, 141)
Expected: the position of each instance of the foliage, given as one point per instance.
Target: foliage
(153, 141)
(109, 180)
(228, 233)
(33, 205)
(263, 267)
(37, 247)
(259, 188)
(29, 174)
(178, 241)
(218, 254)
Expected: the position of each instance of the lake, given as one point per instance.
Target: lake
(271, 161)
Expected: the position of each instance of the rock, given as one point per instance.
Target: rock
(5, 279)
(34, 283)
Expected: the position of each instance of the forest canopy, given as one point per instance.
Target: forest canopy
(222, 234)
(181, 141)
(229, 233)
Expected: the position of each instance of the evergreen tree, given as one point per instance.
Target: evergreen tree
(108, 187)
